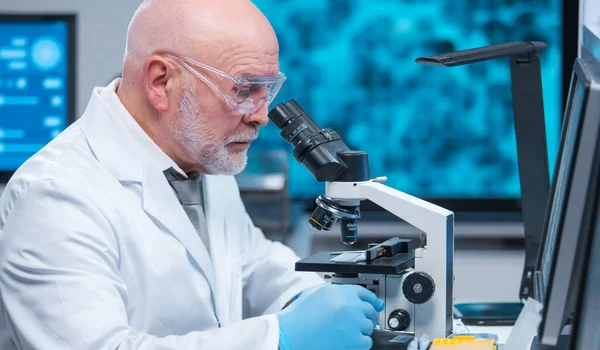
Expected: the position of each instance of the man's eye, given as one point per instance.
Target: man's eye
(244, 92)
(253, 92)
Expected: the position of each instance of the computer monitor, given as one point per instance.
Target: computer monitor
(571, 210)
(37, 84)
(444, 135)
(585, 327)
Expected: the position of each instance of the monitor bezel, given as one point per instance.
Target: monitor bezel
(585, 327)
(539, 293)
(71, 20)
(561, 296)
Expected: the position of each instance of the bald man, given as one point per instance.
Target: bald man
(127, 231)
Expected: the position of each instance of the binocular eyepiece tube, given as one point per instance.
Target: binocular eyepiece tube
(327, 157)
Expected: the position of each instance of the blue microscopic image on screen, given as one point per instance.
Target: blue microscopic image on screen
(33, 87)
(435, 132)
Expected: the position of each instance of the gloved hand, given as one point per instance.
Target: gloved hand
(334, 316)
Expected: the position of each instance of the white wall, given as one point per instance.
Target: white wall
(100, 31)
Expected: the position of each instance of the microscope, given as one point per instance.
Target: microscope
(414, 280)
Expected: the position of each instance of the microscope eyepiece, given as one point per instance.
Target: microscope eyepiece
(317, 149)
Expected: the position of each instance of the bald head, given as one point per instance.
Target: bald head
(186, 113)
(201, 29)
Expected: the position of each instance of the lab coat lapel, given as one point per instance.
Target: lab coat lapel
(162, 205)
(215, 221)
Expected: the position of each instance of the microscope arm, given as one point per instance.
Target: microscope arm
(421, 214)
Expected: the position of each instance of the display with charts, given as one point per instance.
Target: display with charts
(35, 85)
(434, 132)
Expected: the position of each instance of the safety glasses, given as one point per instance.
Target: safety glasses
(244, 95)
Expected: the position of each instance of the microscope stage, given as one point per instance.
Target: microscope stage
(320, 262)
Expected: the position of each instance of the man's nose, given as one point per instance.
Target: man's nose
(259, 117)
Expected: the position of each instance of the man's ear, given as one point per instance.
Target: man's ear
(157, 72)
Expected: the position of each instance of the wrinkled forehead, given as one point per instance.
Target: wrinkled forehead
(244, 68)
(242, 49)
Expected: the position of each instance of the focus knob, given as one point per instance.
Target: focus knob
(399, 320)
(418, 287)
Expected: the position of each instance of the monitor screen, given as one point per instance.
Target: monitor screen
(435, 132)
(36, 84)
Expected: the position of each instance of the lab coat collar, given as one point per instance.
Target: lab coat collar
(106, 134)
(129, 160)
(155, 154)
(132, 133)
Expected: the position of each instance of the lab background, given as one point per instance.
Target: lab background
(445, 135)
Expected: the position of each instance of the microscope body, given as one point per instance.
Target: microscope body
(418, 299)
(415, 283)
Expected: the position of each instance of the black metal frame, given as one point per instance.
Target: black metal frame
(570, 44)
(71, 20)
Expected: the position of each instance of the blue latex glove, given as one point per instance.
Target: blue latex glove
(330, 317)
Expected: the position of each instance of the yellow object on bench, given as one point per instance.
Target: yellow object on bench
(462, 343)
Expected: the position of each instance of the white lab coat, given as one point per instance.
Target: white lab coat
(97, 253)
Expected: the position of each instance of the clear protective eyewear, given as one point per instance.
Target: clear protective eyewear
(244, 95)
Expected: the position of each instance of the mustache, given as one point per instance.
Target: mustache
(248, 134)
